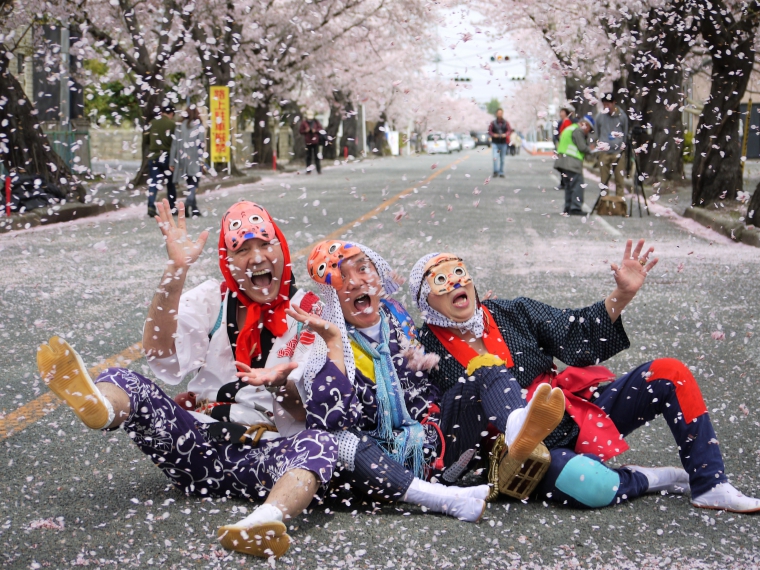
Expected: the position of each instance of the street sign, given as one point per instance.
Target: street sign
(220, 124)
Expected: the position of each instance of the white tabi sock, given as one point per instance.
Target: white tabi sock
(515, 422)
(109, 407)
(266, 513)
(452, 501)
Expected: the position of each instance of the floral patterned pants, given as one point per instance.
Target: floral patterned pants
(179, 446)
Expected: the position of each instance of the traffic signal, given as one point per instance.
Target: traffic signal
(465, 79)
(499, 58)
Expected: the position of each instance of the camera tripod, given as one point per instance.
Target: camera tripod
(638, 184)
(638, 187)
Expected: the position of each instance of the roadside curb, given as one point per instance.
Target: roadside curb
(75, 210)
(725, 225)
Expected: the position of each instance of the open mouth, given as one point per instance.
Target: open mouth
(363, 304)
(460, 300)
(261, 279)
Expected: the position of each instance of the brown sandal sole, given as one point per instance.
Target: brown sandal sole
(264, 540)
(63, 371)
(545, 412)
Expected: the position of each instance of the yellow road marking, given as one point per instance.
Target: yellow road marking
(26, 415)
(377, 210)
(21, 418)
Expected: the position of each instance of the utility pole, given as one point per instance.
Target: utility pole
(363, 130)
(64, 104)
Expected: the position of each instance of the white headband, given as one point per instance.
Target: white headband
(420, 290)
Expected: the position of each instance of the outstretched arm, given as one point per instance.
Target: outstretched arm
(629, 277)
(161, 323)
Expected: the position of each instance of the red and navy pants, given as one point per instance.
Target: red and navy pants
(663, 387)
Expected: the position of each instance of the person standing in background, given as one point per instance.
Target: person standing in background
(573, 147)
(161, 135)
(310, 129)
(187, 155)
(566, 118)
(612, 128)
(499, 131)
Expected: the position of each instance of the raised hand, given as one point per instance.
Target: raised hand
(632, 271)
(327, 330)
(275, 376)
(182, 250)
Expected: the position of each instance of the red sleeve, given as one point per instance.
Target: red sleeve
(490, 128)
(302, 128)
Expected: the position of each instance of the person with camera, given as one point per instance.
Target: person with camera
(612, 126)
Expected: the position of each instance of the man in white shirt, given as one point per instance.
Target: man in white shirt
(240, 429)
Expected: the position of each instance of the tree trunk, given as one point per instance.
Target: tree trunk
(262, 151)
(24, 147)
(351, 131)
(753, 209)
(291, 114)
(379, 137)
(575, 88)
(150, 100)
(717, 173)
(655, 89)
(331, 150)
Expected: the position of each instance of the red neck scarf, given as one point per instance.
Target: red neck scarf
(275, 320)
(463, 351)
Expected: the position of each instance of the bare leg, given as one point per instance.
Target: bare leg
(293, 492)
(119, 401)
(262, 533)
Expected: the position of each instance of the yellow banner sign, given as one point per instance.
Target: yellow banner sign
(219, 111)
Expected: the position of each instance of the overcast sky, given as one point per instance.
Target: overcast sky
(467, 59)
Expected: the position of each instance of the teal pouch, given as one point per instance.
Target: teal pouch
(588, 481)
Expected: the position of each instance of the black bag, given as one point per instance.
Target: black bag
(322, 138)
(31, 192)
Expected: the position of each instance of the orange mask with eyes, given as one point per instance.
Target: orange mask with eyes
(325, 261)
(244, 221)
(446, 272)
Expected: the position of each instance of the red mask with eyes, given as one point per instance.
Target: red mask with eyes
(325, 261)
(244, 221)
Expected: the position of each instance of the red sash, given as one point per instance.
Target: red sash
(598, 433)
(461, 349)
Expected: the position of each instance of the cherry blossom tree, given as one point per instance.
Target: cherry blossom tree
(729, 30)
(24, 147)
(142, 37)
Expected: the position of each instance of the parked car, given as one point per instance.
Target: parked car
(453, 142)
(436, 143)
(481, 138)
(467, 141)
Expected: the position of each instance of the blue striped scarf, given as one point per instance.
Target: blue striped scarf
(396, 431)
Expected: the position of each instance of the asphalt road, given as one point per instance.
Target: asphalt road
(70, 496)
